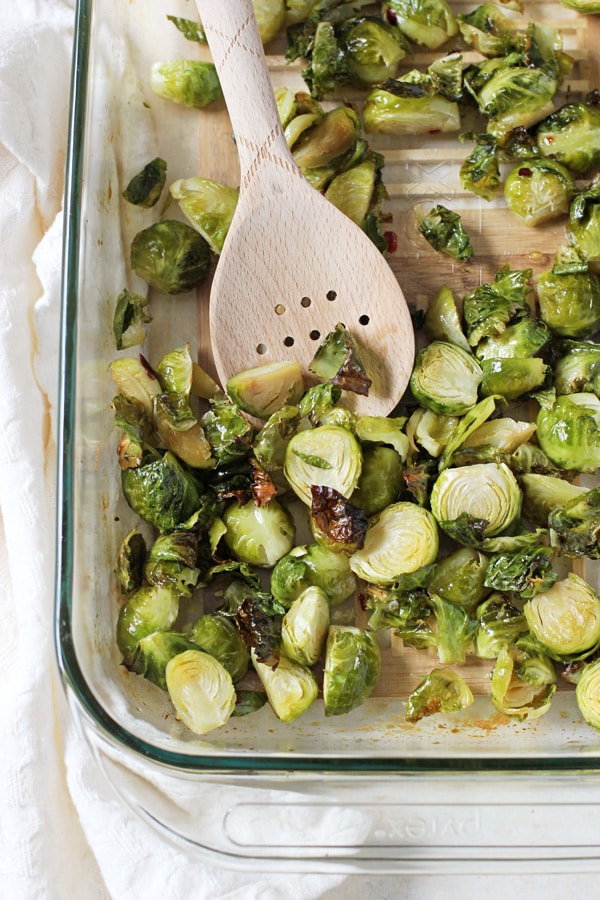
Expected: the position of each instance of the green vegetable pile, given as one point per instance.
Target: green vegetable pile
(272, 514)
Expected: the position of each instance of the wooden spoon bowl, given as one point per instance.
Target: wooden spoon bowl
(293, 266)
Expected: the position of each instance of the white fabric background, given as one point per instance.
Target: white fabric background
(63, 833)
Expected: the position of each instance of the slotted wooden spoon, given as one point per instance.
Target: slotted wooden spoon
(292, 266)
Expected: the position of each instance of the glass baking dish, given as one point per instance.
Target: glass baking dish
(401, 789)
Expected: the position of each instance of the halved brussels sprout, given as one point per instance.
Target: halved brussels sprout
(490, 307)
(329, 141)
(218, 636)
(172, 561)
(381, 480)
(291, 688)
(505, 433)
(313, 565)
(264, 389)
(411, 104)
(539, 190)
(270, 17)
(578, 370)
(352, 191)
(442, 321)
(583, 227)
(175, 370)
(337, 360)
(258, 535)
(161, 492)
(460, 577)
(208, 206)
(488, 492)
(147, 610)
(480, 171)
(442, 625)
(543, 493)
(575, 526)
(400, 539)
(446, 378)
(130, 319)
(328, 455)
(442, 691)
(587, 692)
(523, 682)
(513, 379)
(180, 431)
(383, 430)
(513, 95)
(565, 619)
(570, 303)
(571, 134)
(430, 430)
(352, 667)
(523, 338)
(171, 256)
(130, 561)
(305, 626)
(136, 381)
(154, 651)
(487, 29)
(188, 82)
(569, 432)
(201, 690)
(428, 23)
(145, 188)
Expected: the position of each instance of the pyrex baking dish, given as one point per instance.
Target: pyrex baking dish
(398, 792)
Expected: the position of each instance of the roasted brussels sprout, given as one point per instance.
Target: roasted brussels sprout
(135, 381)
(313, 565)
(400, 539)
(583, 6)
(487, 492)
(229, 432)
(446, 378)
(170, 256)
(504, 433)
(328, 455)
(443, 230)
(480, 171)
(208, 206)
(327, 144)
(444, 626)
(352, 667)
(130, 319)
(442, 691)
(524, 337)
(569, 432)
(429, 430)
(587, 691)
(575, 526)
(180, 432)
(539, 190)
(381, 481)
(487, 29)
(270, 17)
(145, 188)
(161, 492)
(291, 687)
(428, 23)
(147, 610)
(460, 577)
(355, 191)
(499, 624)
(578, 370)
(571, 134)
(583, 227)
(565, 619)
(383, 430)
(442, 320)
(201, 690)
(130, 561)
(570, 303)
(411, 104)
(172, 562)
(186, 81)
(523, 681)
(259, 535)
(542, 493)
(191, 30)
(525, 572)
(513, 379)
(217, 635)
(490, 307)
(263, 390)
(305, 626)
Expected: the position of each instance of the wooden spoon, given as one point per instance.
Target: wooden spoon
(293, 266)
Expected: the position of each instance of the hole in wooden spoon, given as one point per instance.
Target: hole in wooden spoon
(315, 335)
(280, 309)
(261, 349)
(331, 295)
(305, 302)
(288, 341)
(364, 320)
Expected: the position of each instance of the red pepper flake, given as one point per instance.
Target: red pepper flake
(391, 239)
(525, 172)
(362, 600)
(391, 16)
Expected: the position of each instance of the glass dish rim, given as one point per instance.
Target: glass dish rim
(70, 671)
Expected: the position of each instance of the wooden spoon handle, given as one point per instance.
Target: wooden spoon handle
(236, 48)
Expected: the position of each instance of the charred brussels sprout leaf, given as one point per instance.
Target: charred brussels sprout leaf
(489, 308)
(154, 651)
(130, 319)
(461, 577)
(443, 229)
(130, 562)
(527, 571)
(352, 667)
(401, 539)
(442, 691)
(201, 690)
(208, 206)
(170, 256)
(338, 360)
(161, 492)
(480, 171)
(499, 624)
(313, 565)
(575, 527)
(263, 390)
(258, 535)
(218, 636)
(145, 188)
(187, 82)
(336, 521)
(523, 681)
(192, 31)
(172, 562)
(446, 378)
(291, 687)
(260, 632)
(565, 619)
(248, 702)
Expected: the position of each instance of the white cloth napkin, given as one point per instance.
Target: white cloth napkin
(63, 831)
